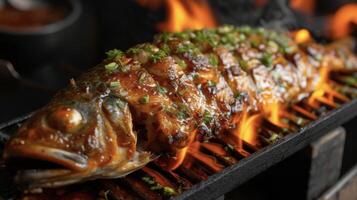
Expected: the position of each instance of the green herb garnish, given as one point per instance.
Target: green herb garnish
(273, 45)
(161, 90)
(111, 66)
(207, 117)
(239, 96)
(114, 84)
(225, 29)
(181, 63)
(254, 43)
(142, 78)
(144, 100)
(182, 112)
(166, 48)
(185, 47)
(148, 180)
(114, 53)
(260, 31)
(213, 60)
(289, 49)
(165, 37)
(121, 104)
(245, 29)
(242, 37)
(211, 83)
(157, 56)
(243, 65)
(134, 50)
(183, 35)
(167, 191)
(267, 60)
(208, 36)
(350, 80)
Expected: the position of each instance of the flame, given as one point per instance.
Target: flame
(324, 92)
(342, 21)
(275, 112)
(247, 128)
(302, 36)
(183, 14)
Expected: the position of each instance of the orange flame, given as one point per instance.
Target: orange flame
(342, 21)
(183, 14)
(324, 92)
(187, 14)
(275, 112)
(302, 36)
(247, 128)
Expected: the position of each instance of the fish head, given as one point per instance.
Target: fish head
(77, 134)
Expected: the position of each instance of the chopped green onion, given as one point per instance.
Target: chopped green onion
(169, 191)
(181, 63)
(207, 117)
(260, 30)
(134, 50)
(144, 100)
(350, 80)
(213, 60)
(165, 37)
(242, 37)
(254, 43)
(185, 47)
(121, 104)
(246, 29)
(148, 180)
(111, 66)
(195, 76)
(243, 65)
(182, 35)
(157, 56)
(114, 84)
(289, 49)
(114, 53)
(211, 83)
(267, 59)
(142, 78)
(161, 90)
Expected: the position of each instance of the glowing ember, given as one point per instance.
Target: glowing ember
(343, 20)
(302, 36)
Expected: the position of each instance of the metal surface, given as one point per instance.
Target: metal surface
(247, 168)
(235, 175)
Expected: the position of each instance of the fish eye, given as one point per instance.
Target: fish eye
(65, 119)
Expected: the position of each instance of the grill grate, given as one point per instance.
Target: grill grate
(209, 172)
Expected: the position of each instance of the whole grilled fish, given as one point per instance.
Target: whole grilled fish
(156, 98)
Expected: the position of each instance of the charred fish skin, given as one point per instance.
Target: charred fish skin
(159, 97)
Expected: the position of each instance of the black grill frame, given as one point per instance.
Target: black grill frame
(237, 174)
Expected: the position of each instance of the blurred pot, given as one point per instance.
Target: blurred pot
(62, 42)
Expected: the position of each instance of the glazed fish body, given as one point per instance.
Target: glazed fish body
(157, 98)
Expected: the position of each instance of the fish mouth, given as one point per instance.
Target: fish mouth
(37, 154)
(31, 178)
